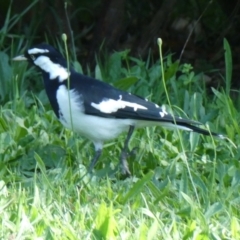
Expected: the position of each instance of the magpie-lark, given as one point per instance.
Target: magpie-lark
(95, 109)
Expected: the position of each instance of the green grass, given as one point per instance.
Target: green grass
(184, 186)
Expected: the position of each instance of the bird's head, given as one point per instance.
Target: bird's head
(48, 59)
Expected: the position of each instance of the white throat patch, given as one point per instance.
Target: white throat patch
(111, 105)
(55, 70)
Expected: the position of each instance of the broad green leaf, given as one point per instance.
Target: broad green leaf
(106, 226)
(213, 209)
(137, 187)
(125, 83)
(228, 65)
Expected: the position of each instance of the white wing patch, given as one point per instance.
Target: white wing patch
(163, 111)
(55, 70)
(37, 51)
(111, 105)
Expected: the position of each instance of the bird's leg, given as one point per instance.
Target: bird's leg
(95, 159)
(123, 157)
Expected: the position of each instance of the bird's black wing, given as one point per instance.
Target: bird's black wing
(101, 99)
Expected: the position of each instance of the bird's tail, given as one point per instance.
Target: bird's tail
(191, 126)
(188, 125)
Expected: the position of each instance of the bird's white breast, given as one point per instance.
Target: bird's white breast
(95, 128)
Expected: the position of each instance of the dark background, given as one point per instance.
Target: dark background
(112, 25)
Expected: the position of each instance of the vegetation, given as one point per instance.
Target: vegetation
(184, 186)
(192, 29)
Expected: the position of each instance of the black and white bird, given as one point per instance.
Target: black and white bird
(95, 109)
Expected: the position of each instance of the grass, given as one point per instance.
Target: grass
(184, 186)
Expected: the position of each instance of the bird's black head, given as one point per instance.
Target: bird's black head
(48, 59)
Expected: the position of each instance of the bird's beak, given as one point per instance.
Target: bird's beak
(20, 58)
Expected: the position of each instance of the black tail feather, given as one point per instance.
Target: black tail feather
(200, 130)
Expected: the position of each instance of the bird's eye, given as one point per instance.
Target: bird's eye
(32, 57)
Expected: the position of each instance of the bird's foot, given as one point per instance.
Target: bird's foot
(124, 164)
(125, 169)
(133, 152)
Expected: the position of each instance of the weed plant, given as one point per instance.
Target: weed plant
(184, 186)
